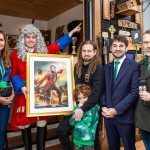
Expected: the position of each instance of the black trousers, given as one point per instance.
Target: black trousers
(64, 130)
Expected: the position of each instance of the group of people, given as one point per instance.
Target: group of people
(111, 91)
(13, 70)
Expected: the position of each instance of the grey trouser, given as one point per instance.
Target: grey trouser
(84, 148)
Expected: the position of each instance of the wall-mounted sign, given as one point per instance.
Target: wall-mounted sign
(127, 24)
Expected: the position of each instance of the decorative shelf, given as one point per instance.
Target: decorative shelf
(128, 12)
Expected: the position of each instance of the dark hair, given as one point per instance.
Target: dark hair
(147, 32)
(5, 52)
(119, 38)
(95, 61)
(81, 88)
(52, 66)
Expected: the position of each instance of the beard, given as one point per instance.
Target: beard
(88, 60)
(116, 56)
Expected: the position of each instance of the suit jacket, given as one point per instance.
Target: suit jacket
(122, 93)
(142, 112)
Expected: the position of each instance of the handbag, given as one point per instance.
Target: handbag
(5, 88)
(6, 91)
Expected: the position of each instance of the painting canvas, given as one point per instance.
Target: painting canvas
(50, 84)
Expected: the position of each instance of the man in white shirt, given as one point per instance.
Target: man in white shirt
(121, 93)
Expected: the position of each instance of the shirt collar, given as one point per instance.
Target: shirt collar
(120, 60)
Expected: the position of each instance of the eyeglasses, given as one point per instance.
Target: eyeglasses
(146, 43)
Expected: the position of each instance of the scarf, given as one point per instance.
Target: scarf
(147, 62)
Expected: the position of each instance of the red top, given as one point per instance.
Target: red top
(19, 110)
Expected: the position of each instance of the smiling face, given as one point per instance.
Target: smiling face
(30, 40)
(146, 44)
(88, 53)
(2, 42)
(118, 49)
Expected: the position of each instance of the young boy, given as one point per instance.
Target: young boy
(85, 129)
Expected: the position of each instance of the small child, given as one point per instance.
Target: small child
(84, 130)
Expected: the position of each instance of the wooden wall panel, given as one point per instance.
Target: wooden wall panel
(106, 9)
(97, 18)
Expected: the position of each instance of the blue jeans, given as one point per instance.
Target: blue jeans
(146, 138)
(4, 115)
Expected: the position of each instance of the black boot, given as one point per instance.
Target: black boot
(27, 140)
(41, 137)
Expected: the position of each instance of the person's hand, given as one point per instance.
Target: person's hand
(78, 113)
(144, 95)
(112, 111)
(61, 71)
(5, 100)
(24, 91)
(12, 96)
(80, 104)
(104, 109)
(108, 112)
(76, 29)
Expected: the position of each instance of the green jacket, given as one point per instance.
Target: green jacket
(84, 130)
(142, 113)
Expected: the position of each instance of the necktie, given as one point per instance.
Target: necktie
(116, 69)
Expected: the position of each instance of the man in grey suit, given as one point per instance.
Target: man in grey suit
(121, 93)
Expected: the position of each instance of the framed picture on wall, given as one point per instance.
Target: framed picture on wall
(12, 41)
(49, 84)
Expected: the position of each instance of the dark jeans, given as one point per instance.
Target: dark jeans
(64, 129)
(146, 138)
(4, 115)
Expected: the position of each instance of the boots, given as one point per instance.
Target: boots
(59, 97)
(41, 137)
(27, 140)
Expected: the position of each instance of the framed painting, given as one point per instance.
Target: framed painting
(50, 84)
(12, 41)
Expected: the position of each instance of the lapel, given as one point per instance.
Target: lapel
(144, 73)
(122, 71)
(110, 73)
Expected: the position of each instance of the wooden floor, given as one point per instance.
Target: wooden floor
(104, 146)
(52, 142)
(139, 146)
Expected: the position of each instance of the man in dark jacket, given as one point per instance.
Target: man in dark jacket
(142, 119)
(88, 70)
(121, 93)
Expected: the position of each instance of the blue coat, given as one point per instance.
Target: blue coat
(122, 94)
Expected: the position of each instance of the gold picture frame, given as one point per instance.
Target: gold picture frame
(50, 84)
